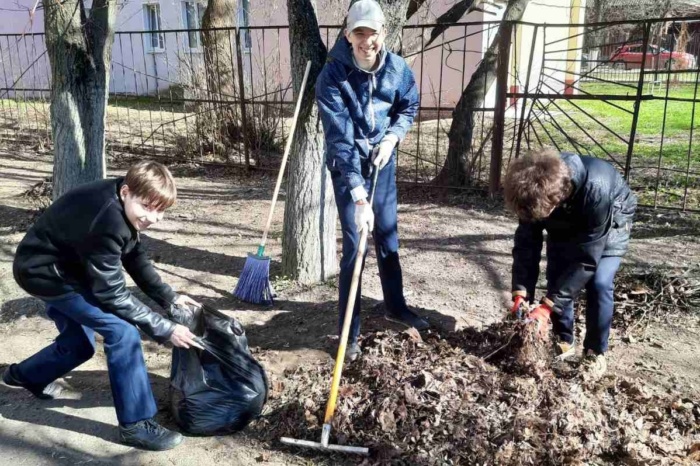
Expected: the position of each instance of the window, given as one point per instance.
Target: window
(244, 22)
(192, 13)
(151, 16)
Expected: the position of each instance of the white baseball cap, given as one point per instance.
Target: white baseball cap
(365, 13)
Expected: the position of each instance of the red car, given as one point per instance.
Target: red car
(630, 57)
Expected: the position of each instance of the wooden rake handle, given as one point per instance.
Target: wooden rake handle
(287, 148)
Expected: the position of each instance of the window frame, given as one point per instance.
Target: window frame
(244, 22)
(198, 8)
(151, 37)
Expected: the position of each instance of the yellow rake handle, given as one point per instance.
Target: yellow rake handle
(342, 345)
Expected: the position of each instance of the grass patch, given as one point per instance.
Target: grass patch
(662, 143)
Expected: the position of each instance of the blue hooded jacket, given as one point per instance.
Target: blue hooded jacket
(358, 108)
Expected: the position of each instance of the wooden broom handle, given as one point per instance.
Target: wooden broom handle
(287, 148)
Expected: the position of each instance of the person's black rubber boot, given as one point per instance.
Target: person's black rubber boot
(149, 435)
(48, 392)
(408, 317)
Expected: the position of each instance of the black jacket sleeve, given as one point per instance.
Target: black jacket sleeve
(583, 251)
(527, 253)
(101, 256)
(139, 266)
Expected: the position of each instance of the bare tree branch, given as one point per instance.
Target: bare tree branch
(450, 17)
(413, 8)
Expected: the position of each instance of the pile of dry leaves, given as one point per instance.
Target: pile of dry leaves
(40, 194)
(668, 295)
(481, 397)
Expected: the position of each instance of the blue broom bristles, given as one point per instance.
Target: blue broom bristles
(254, 285)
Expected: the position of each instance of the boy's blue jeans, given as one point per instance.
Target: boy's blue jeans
(386, 243)
(77, 320)
(599, 305)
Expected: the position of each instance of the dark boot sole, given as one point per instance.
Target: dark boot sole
(149, 448)
(16, 385)
(401, 322)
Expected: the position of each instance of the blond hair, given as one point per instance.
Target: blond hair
(152, 182)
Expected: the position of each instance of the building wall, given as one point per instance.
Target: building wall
(440, 86)
(442, 71)
(22, 59)
(546, 60)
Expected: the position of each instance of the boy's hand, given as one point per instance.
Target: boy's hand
(519, 308)
(183, 338)
(384, 150)
(364, 217)
(541, 316)
(184, 300)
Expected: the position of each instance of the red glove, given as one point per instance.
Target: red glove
(519, 307)
(541, 316)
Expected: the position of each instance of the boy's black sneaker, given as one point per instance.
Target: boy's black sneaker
(149, 435)
(47, 392)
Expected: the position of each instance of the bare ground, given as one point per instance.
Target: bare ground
(456, 260)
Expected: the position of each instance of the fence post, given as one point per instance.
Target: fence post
(638, 101)
(499, 113)
(521, 124)
(241, 91)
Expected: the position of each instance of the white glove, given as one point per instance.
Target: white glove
(383, 151)
(364, 217)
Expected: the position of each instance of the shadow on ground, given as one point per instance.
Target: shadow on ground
(307, 325)
(22, 308)
(83, 389)
(15, 218)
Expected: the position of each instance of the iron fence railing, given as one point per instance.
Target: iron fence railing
(624, 91)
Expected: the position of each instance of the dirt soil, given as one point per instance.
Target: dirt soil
(455, 253)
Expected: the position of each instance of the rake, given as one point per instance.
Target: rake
(340, 357)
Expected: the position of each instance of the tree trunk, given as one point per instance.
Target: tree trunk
(80, 52)
(308, 241)
(395, 13)
(458, 167)
(221, 123)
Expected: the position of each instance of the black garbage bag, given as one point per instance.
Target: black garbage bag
(221, 389)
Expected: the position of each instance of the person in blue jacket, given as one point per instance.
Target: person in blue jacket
(367, 98)
(586, 208)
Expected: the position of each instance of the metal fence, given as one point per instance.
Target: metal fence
(632, 102)
(624, 91)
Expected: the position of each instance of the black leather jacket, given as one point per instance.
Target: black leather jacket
(80, 244)
(594, 221)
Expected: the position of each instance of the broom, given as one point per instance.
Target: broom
(254, 284)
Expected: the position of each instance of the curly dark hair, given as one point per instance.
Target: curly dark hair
(536, 183)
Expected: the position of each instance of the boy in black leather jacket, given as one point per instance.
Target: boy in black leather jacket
(72, 259)
(586, 207)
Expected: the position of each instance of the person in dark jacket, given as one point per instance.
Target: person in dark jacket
(367, 99)
(72, 259)
(586, 208)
